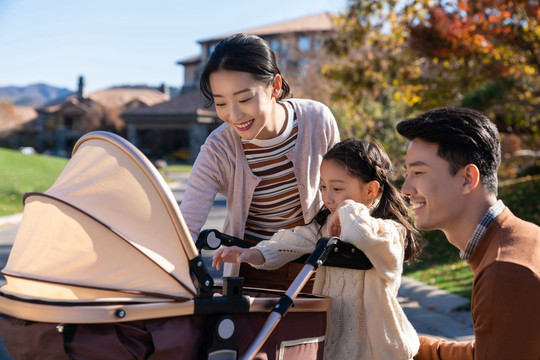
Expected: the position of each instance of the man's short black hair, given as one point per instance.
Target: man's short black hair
(464, 137)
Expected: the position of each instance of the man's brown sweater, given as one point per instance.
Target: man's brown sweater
(505, 302)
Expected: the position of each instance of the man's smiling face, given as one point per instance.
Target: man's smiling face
(435, 195)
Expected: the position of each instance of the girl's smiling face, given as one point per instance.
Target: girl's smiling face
(246, 104)
(337, 186)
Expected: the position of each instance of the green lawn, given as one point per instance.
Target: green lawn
(441, 265)
(20, 174)
(176, 168)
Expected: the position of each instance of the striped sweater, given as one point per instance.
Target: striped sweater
(276, 200)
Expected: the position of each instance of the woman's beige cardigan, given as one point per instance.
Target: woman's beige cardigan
(222, 167)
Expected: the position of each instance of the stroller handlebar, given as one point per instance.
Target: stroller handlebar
(334, 253)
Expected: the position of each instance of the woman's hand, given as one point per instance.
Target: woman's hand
(235, 254)
(334, 226)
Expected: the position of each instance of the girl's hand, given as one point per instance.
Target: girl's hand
(235, 254)
(334, 226)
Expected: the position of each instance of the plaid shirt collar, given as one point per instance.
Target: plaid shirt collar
(490, 215)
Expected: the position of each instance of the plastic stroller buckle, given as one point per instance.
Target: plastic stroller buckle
(232, 301)
(204, 281)
(283, 305)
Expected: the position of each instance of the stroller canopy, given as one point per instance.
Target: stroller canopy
(109, 229)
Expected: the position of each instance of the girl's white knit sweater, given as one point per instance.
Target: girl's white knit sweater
(366, 320)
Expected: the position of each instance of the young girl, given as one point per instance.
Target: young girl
(264, 159)
(362, 207)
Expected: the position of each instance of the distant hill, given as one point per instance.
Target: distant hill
(35, 95)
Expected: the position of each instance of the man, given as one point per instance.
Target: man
(451, 183)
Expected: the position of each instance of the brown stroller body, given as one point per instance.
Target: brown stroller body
(103, 267)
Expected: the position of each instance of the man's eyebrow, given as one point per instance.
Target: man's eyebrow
(416, 163)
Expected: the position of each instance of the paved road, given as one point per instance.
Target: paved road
(428, 309)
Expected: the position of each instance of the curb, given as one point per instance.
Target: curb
(431, 297)
(10, 219)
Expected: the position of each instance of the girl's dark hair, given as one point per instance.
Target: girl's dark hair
(246, 53)
(369, 162)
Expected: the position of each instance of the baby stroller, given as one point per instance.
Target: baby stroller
(103, 267)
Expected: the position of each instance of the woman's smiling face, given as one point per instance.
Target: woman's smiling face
(245, 104)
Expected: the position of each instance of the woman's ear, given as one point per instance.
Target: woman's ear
(471, 178)
(373, 188)
(276, 86)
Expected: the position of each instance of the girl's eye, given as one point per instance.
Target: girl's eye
(246, 100)
(322, 187)
(337, 189)
(218, 105)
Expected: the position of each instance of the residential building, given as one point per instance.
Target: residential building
(60, 125)
(16, 124)
(181, 125)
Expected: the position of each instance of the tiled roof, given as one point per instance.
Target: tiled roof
(113, 97)
(317, 22)
(118, 97)
(191, 60)
(17, 117)
(186, 104)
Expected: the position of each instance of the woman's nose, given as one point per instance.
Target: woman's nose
(235, 113)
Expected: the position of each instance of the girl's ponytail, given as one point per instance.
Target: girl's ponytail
(392, 205)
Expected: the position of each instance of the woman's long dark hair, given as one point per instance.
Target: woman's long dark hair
(246, 53)
(369, 162)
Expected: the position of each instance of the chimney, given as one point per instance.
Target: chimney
(164, 89)
(80, 90)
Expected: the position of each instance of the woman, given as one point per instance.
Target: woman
(264, 159)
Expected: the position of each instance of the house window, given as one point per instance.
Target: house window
(274, 44)
(302, 66)
(50, 123)
(304, 44)
(73, 123)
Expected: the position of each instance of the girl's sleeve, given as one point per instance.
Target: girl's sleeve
(202, 187)
(381, 240)
(287, 245)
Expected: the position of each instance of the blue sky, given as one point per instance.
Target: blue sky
(116, 42)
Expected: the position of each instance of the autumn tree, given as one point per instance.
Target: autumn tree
(493, 48)
(398, 58)
(379, 79)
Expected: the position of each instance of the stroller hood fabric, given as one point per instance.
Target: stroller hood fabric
(109, 229)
